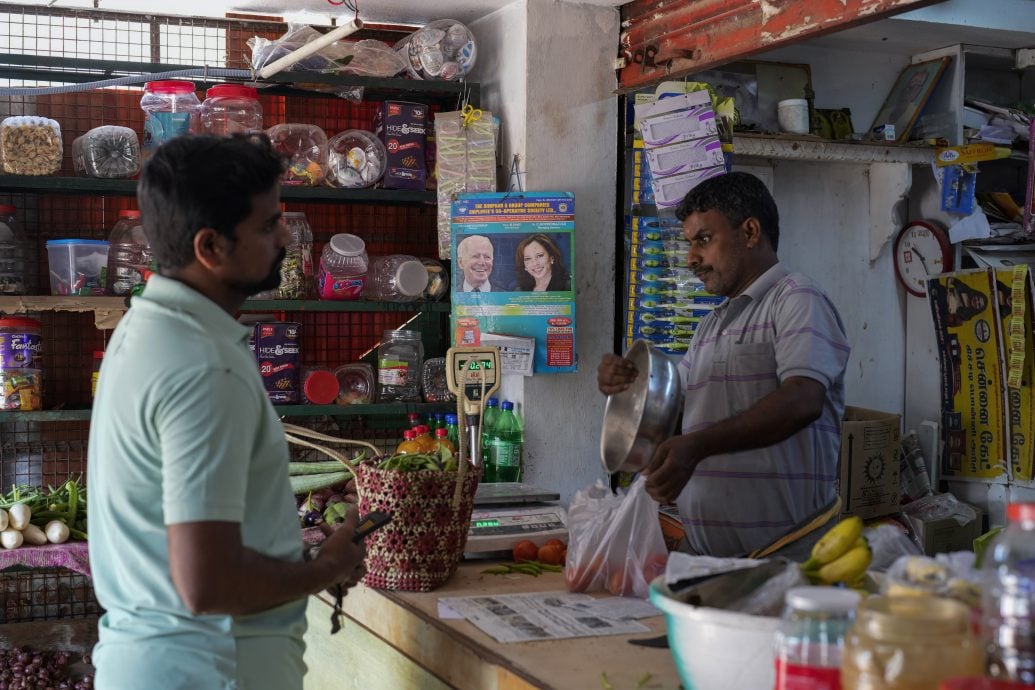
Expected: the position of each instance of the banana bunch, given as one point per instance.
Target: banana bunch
(841, 555)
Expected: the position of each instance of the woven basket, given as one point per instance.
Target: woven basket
(423, 544)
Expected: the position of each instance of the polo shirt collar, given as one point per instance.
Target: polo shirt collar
(765, 281)
(176, 295)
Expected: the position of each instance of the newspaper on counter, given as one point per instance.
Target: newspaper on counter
(549, 615)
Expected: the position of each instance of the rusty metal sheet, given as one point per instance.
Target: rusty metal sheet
(664, 39)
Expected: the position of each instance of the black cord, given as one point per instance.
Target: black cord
(337, 613)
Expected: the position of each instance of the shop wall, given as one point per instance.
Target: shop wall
(558, 79)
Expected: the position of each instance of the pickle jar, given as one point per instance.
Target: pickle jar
(909, 643)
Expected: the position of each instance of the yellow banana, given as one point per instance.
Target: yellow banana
(836, 542)
(849, 567)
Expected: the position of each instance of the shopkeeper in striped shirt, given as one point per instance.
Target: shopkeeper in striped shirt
(763, 380)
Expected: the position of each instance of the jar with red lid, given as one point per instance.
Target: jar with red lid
(231, 109)
(319, 386)
(171, 109)
(21, 364)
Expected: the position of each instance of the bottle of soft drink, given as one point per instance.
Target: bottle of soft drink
(452, 426)
(440, 422)
(442, 439)
(489, 416)
(413, 419)
(505, 447)
(1009, 598)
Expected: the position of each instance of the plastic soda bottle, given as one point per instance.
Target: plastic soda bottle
(442, 439)
(1009, 597)
(505, 447)
(489, 416)
(413, 419)
(425, 439)
(410, 443)
(452, 426)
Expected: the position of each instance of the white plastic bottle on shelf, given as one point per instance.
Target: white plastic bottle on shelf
(396, 278)
(129, 254)
(1009, 597)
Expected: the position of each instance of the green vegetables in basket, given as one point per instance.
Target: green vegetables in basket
(34, 516)
(442, 460)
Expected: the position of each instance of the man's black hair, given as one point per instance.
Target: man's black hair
(737, 196)
(195, 182)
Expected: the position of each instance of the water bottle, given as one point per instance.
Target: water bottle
(810, 639)
(489, 415)
(505, 447)
(453, 427)
(1009, 600)
(129, 254)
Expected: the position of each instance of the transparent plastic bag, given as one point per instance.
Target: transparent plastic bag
(30, 145)
(948, 575)
(614, 541)
(888, 543)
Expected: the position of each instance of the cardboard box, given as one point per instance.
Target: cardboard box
(683, 125)
(680, 158)
(973, 391)
(403, 128)
(669, 191)
(277, 349)
(946, 534)
(869, 466)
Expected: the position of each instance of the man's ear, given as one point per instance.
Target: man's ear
(752, 230)
(209, 248)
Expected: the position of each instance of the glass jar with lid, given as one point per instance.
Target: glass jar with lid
(909, 643)
(343, 268)
(399, 359)
(129, 254)
(12, 253)
(296, 271)
(171, 109)
(231, 109)
(810, 638)
(396, 278)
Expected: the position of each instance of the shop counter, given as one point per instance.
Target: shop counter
(396, 641)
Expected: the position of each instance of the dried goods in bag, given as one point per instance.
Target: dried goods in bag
(30, 145)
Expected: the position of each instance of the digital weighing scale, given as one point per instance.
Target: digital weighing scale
(506, 513)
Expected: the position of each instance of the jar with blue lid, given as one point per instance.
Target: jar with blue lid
(77, 267)
(21, 364)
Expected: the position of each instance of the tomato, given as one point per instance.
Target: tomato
(580, 577)
(654, 566)
(551, 554)
(621, 583)
(525, 551)
(556, 542)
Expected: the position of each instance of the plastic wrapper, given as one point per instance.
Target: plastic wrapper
(465, 161)
(305, 149)
(30, 145)
(888, 543)
(433, 384)
(444, 49)
(109, 152)
(949, 575)
(614, 541)
(355, 158)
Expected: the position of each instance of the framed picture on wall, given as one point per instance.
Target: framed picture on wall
(906, 99)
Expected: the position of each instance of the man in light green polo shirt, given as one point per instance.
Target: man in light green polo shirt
(195, 546)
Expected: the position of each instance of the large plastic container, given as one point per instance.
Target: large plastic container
(296, 271)
(30, 145)
(129, 254)
(304, 147)
(1009, 597)
(343, 268)
(355, 158)
(12, 253)
(171, 109)
(444, 49)
(396, 278)
(21, 364)
(77, 267)
(399, 359)
(109, 152)
(231, 109)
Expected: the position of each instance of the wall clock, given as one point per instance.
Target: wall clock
(922, 249)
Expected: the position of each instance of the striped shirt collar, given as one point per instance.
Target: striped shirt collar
(756, 290)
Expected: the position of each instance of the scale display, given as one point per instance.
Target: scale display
(515, 524)
(497, 528)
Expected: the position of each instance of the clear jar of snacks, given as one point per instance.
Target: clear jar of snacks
(171, 109)
(399, 359)
(231, 109)
(12, 253)
(343, 268)
(21, 364)
(355, 384)
(904, 643)
(438, 280)
(304, 147)
(296, 271)
(30, 145)
(355, 158)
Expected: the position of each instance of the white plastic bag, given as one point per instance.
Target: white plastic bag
(614, 541)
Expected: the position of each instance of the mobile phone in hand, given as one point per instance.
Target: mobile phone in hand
(368, 523)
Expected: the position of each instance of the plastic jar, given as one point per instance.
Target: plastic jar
(811, 635)
(12, 253)
(304, 147)
(399, 359)
(95, 371)
(170, 109)
(907, 643)
(396, 278)
(433, 383)
(343, 268)
(296, 271)
(438, 280)
(1009, 597)
(129, 254)
(21, 364)
(231, 109)
(355, 384)
(319, 386)
(108, 152)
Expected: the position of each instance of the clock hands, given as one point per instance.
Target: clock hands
(923, 261)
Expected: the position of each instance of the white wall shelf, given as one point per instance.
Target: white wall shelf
(808, 148)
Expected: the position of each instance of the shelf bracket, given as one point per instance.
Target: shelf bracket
(889, 186)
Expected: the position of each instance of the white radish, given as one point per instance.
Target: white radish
(3, 519)
(33, 535)
(19, 515)
(10, 539)
(57, 532)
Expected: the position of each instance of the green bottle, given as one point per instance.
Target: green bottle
(506, 447)
(489, 416)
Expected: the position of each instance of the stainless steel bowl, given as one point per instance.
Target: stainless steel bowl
(639, 418)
